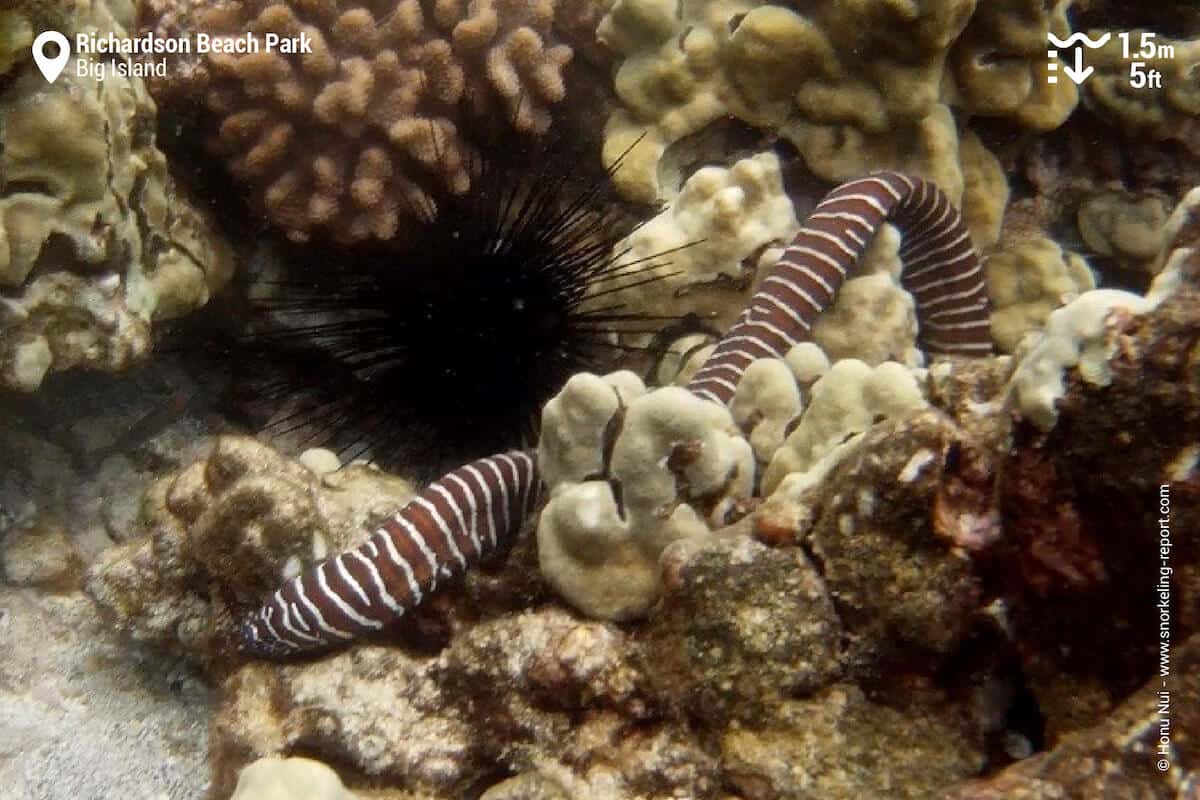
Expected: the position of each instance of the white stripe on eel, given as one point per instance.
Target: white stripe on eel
(435, 534)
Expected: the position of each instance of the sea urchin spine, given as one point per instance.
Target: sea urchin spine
(429, 354)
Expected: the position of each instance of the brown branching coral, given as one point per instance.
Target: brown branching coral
(347, 138)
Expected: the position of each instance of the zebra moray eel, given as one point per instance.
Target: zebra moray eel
(466, 513)
(440, 533)
(941, 272)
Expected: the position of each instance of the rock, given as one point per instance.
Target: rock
(40, 555)
(839, 745)
(1135, 752)
(740, 629)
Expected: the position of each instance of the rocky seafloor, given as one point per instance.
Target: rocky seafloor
(941, 578)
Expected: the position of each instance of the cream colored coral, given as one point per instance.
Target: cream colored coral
(351, 139)
(1083, 335)
(1170, 110)
(853, 85)
(628, 475)
(96, 241)
(1126, 227)
(290, 779)
(846, 401)
(808, 362)
(985, 191)
(684, 357)
(927, 147)
(1079, 335)
(872, 318)
(766, 403)
(1000, 68)
(712, 237)
(575, 423)
(1028, 281)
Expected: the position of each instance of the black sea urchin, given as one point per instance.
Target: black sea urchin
(446, 348)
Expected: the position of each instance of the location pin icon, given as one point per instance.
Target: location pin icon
(51, 66)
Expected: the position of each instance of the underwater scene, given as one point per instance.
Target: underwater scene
(599, 399)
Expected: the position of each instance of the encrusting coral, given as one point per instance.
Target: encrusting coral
(853, 86)
(1128, 228)
(349, 139)
(717, 233)
(1081, 334)
(837, 71)
(847, 400)
(97, 242)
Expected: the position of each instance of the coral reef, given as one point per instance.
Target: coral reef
(97, 242)
(854, 87)
(623, 467)
(1169, 110)
(845, 401)
(245, 514)
(1083, 496)
(350, 139)
(1027, 281)
(873, 575)
(999, 63)
(851, 632)
(1081, 334)
(831, 80)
